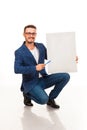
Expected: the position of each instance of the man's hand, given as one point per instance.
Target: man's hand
(76, 59)
(39, 67)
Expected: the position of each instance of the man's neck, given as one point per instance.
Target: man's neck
(30, 46)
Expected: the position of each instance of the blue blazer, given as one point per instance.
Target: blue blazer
(25, 64)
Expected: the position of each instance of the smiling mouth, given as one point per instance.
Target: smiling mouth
(31, 38)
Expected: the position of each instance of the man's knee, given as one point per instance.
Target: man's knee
(43, 100)
(67, 76)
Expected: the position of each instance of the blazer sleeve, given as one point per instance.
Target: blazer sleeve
(20, 68)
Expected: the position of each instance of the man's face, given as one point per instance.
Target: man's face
(30, 35)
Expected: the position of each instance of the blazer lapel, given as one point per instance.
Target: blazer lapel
(40, 51)
(28, 53)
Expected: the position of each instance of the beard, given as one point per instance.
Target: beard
(30, 40)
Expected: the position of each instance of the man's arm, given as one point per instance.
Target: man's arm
(20, 68)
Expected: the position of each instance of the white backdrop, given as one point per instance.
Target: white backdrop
(48, 16)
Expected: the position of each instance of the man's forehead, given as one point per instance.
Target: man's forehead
(30, 29)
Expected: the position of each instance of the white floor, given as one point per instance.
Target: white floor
(72, 114)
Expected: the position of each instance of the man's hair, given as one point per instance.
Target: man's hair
(30, 26)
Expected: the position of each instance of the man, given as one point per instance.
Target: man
(29, 61)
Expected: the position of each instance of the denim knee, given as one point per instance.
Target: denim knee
(67, 76)
(43, 100)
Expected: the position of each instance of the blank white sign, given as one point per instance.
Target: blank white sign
(61, 51)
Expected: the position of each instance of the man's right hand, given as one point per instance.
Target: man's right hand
(39, 67)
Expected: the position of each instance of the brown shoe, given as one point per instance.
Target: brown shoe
(52, 103)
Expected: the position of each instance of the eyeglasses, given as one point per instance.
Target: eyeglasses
(29, 33)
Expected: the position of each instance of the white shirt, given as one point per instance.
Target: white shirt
(35, 53)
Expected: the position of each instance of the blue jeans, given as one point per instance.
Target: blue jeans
(58, 80)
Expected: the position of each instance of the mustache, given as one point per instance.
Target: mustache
(31, 37)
